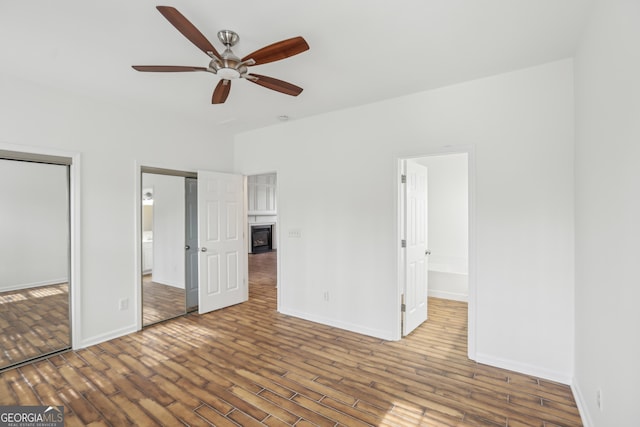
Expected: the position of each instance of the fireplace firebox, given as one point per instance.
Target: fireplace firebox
(261, 240)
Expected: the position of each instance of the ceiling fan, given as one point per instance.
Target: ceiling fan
(227, 65)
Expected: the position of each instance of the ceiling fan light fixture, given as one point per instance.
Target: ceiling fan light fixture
(228, 73)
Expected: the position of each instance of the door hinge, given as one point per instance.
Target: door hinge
(403, 243)
(403, 179)
(403, 308)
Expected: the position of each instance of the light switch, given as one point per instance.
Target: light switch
(295, 233)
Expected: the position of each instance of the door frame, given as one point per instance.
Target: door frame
(75, 299)
(141, 168)
(473, 288)
(278, 233)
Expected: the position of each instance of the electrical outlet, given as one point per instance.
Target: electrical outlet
(123, 304)
(599, 399)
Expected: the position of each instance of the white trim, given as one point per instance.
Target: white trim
(376, 333)
(261, 213)
(454, 296)
(35, 284)
(75, 287)
(108, 336)
(75, 241)
(471, 173)
(169, 283)
(582, 404)
(524, 368)
(137, 230)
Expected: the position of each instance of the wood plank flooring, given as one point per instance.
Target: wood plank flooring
(160, 302)
(33, 322)
(248, 365)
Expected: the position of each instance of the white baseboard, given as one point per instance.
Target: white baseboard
(87, 342)
(582, 404)
(525, 368)
(385, 335)
(448, 295)
(448, 285)
(168, 283)
(35, 284)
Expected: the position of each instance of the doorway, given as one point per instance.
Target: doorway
(196, 239)
(169, 245)
(449, 273)
(262, 229)
(35, 256)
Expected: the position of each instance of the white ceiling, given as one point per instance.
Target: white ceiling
(361, 51)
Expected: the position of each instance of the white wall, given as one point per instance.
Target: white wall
(113, 141)
(34, 231)
(337, 186)
(608, 215)
(168, 228)
(448, 225)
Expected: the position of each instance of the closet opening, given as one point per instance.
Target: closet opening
(169, 244)
(35, 256)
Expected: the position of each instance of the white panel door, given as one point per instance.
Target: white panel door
(415, 210)
(223, 254)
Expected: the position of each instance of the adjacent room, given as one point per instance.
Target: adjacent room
(247, 159)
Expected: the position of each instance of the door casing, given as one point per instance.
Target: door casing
(473, 291)
(75, 286)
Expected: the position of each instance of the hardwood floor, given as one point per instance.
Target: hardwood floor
(160, 302)
(248, 365)
(33, 322)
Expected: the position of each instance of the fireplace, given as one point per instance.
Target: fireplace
(261, 240)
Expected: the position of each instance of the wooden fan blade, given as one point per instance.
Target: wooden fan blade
(278, 51)
(221, 92)
(187, 29)
(166, 68)
(275, 84)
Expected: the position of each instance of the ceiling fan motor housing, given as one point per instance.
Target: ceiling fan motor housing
(228, 66)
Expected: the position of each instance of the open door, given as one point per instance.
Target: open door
(223, 253)
(415, 265)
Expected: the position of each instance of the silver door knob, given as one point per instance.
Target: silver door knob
(427, 252)
(203, 249)
(187, 247)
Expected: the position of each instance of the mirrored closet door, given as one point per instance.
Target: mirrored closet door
(34, 260)
(169, 246)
